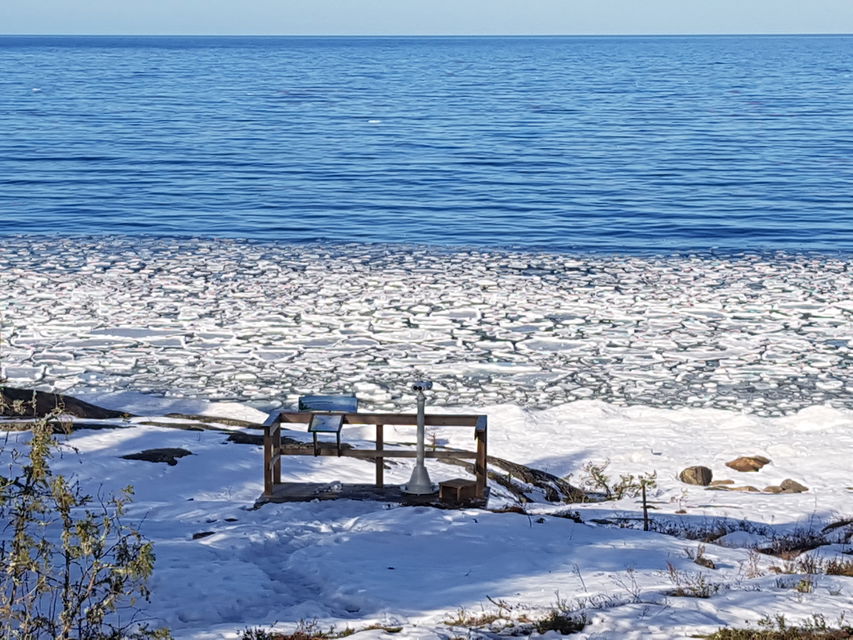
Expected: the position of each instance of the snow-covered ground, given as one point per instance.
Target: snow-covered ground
(354, 564)
(651, 363)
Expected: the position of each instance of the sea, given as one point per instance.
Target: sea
(561, 144)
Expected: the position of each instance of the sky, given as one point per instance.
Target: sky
(424, 17)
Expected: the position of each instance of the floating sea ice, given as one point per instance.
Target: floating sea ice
(550, 344)
(537, 379)
(133, 332)
(22, 375)
(366, 293)
(98, 343)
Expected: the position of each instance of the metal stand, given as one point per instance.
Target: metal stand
(419, 484)
(317, 444)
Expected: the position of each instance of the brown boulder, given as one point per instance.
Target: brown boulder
(773, 488)
(747, 463)
(696, 475)
(792, 486)
(720, 483)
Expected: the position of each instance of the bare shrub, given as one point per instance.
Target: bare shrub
(597, 482)
(71, 568)
(700, 558)
(689, 584)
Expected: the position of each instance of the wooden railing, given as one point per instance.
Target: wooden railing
(274, 450)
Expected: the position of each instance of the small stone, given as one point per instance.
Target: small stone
(748, 489)
(719, 483)
(696, 475)
(773, 488)
(747, 463)
(792, 486)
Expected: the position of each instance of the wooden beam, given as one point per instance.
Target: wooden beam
(396, 419)
(273, 419)
(290, 450)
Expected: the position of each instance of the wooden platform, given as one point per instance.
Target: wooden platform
(308, 491)
(275, 450)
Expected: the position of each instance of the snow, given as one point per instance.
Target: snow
(643, 364)
(352, 564)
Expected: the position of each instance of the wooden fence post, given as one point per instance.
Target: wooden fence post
(276, 452)
(272, 454)
(268, 474)
(380, 460)
(480, 464)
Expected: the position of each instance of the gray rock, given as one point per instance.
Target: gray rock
(745, 489)
(202, 534)
(167, 455)
(696, 475)
(792, 486)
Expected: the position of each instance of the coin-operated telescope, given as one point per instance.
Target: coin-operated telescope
(419, 484)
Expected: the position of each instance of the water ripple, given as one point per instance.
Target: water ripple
(611, 144)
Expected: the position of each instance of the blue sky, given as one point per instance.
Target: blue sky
(416, 17)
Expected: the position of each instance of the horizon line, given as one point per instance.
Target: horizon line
(418, 35)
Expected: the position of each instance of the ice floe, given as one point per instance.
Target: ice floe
(768, 334)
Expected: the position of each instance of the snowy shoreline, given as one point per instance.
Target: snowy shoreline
(650, 363)
(223, 566)
(264, 322)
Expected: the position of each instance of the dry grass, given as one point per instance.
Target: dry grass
(777, 628)
(814, 566)
(465, 618)
(839, 567)
(310, 630)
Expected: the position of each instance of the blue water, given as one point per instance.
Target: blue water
(602, 144)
